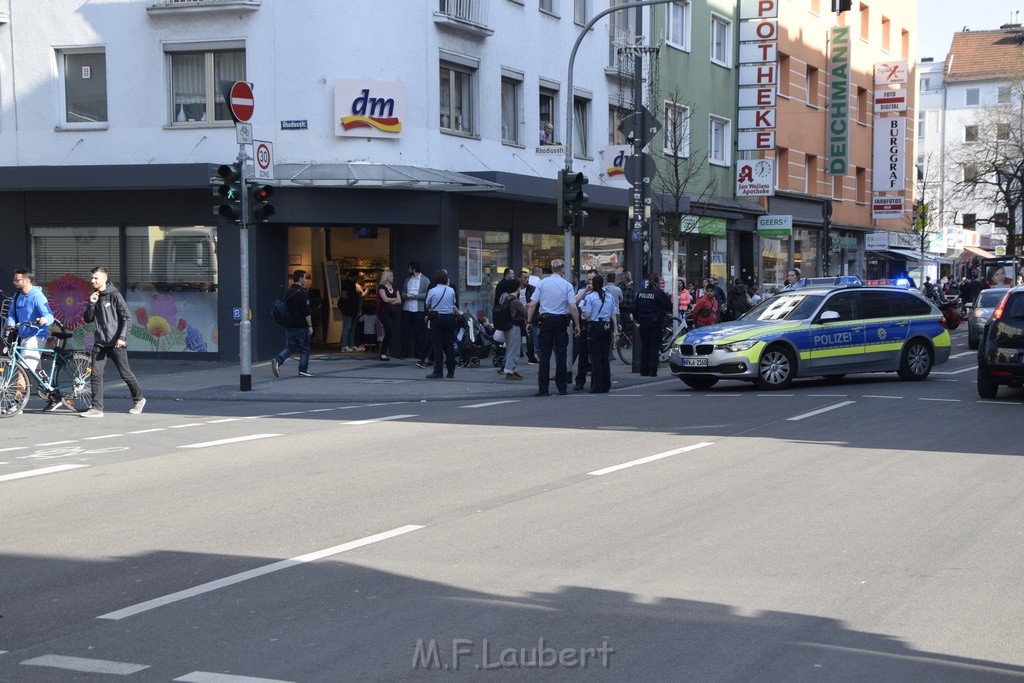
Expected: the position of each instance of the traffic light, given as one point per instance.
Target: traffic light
(260, 205)
(564, 199)
(579, 199)
(571, 199)
(840, 6)
(228, 186)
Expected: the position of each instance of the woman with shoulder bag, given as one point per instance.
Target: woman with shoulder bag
(441, 311)
(388, 302)
(602, 314)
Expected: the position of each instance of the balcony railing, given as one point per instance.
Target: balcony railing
(469, 11)
(189, 6)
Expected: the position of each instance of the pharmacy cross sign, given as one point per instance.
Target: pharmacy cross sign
(241, 101)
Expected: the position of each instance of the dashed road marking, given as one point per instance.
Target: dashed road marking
(57, 443)
(13, 448)
(827, 395)
(488, 404)
(254, 573)
(376, 419)
(40, 471)
(222, 420)
(1002, 403)
(320, 410)
(222, 442)
(105, 436)
(954, 372)
(773, 395)
(900, 398)
(148, 431)
(189, 424)
(819, 411)
(649, 458)
(92, 666)
(294, 412)
(207, 677)
(948, 400)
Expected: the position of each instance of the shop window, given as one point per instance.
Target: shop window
(603, 254)
(196, 97)
(539, 249)
(483, 257)
(84, 76)
(805, 251)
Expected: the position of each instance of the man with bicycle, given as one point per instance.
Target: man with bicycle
(29, 305)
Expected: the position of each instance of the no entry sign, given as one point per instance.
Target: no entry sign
(241, 101)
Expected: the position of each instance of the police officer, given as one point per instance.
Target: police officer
(651, 306)
(601, 311)
(555, 303)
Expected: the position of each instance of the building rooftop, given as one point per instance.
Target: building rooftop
(981, 55)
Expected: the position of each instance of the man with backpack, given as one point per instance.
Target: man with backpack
(299, 326)
(513, 313)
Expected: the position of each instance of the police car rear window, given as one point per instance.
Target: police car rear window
(786, 306)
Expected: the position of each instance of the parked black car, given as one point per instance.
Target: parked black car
(981, 313)
(1001, 350)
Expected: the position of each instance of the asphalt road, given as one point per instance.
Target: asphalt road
(862, 530)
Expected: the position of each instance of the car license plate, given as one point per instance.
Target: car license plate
(695, 362)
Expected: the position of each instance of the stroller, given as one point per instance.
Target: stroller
(473, 341)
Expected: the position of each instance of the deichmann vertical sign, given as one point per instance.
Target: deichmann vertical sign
(890, 154)
(838, 141)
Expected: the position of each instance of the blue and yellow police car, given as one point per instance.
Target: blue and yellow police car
(817, 330)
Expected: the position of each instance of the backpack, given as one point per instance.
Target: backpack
(501, 315)
(279, 311)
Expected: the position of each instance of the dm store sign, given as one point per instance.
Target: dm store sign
(368, 109)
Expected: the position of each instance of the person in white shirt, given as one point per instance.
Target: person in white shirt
(414, 326)
(554, 302)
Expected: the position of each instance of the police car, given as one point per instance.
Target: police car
(818, 330)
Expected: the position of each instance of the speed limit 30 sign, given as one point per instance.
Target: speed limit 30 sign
(264, 154)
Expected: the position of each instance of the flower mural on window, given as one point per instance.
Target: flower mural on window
(158, 326)
(68, 297)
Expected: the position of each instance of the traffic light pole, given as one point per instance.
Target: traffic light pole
(245, 327)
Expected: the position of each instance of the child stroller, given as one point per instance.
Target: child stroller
(472, 342)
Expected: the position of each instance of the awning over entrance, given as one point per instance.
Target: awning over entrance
(390, 176)
(977, 251)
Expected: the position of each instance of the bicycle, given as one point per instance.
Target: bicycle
(674, 328)
(66, 380)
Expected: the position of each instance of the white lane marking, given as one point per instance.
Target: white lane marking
(489, 403)
(13, 448)
(819, 411)
(649, 458)
(954, 372)
(226, 419)
(948, 400)
(624, 395)
(221, 442)
(1002, 403)
(40, 471)
(105, 436)
(320, 410)
(207, 677)
(92, 666)
(680, 394)
(878, 396)
(148, 431)
(256, 417)
(254, 573)
(190, 424)
(4, 463)
(294, 412)
(724, 395)
(367, 405)
(377, 419)
(827, 395)
(57, 443)
(773, 395)
(962, 354)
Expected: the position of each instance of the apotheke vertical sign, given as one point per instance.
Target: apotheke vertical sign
(757, 75)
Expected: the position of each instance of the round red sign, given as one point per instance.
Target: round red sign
(241, 101)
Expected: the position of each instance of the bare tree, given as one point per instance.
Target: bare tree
(924, 219)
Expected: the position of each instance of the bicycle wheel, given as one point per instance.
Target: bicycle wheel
(624, 349)
(74, 380)
(668, 337)
(14, 388)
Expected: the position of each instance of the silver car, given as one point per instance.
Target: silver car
(984, 304)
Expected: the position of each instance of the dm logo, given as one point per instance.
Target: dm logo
(368, 109)
(618, 166)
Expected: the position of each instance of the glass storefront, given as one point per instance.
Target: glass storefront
(774, 256)
(483, 257)
(604, 254)
(170, 281)
(806, 252)
(540, 249)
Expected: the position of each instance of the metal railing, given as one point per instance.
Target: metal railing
(471, 11)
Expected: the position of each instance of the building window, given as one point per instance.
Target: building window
(580, 126)
(721, 40)
(886, 33)
(865, 22)
(1002, 131)
(970, 221)
(782, 171)
(456, 99)
(970, 133)
(547, 6)
(784, 75)
(547, 118)
(679, 14)
(621, 32)
(925, 84)
(862, 185)
(922, 120)
(1003, 94)
(811, 175)
(905, 44)
(677, 130)
(615, 117)
(719, 136)
(195, 84)
(837, 186)
(971, 97)
(579, 12)
(84, 75)
(510, 94)
(970, 173)
(920, 167)
(816, 6)
(863, 106)
(811, 85)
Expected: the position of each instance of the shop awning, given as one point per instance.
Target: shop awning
(910, 255)
(389, 176)
(978, 251)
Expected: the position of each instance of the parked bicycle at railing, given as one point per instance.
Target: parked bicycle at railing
(674, 328)
(60, 376)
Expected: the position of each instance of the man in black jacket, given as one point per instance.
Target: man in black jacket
(113, 321)
(300, 326)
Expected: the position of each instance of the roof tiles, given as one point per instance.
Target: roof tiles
(981, 55)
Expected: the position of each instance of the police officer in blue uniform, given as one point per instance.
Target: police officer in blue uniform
(602, 314)
(555, 302)
(651, 307)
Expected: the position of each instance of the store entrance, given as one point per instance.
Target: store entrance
(329, 253)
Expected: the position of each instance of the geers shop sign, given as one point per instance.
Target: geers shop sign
(838, 142)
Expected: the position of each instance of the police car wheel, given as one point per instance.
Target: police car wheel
(699, 382)
(776, 368)
(916, 361)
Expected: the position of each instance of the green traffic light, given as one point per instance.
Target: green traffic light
(229, 189)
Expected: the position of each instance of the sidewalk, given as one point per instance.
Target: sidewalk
(340, 377)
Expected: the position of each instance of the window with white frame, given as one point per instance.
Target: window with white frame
(511, 92)
(196, 73)
(546, 106)
(972, 97)
(580, 126)
(1003, 94)
(971, 133)
(615, 117)
(721, 40)
(456, 99)
(677, 130)
(547, 5)
(83, 74)
(579, 12)
(922, 123)
(718, 141)
(1002, 131)
(678, 30)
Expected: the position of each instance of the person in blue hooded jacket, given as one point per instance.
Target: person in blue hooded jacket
(29, 305)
